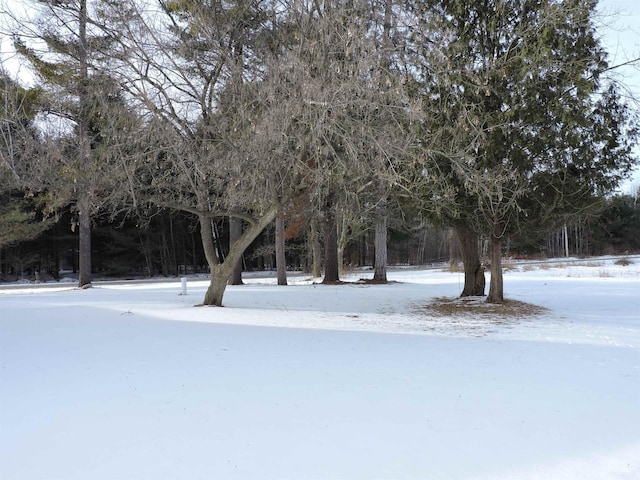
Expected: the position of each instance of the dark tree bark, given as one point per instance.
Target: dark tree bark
(474, 281)
(83, 201)
(281, 261)
(380, 263)
(235, 231)
(496, 287)
(316, 250)
(331, 266)
(173, 259)
(84, 232)
(164, 250)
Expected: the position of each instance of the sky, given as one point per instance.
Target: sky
(621, 36)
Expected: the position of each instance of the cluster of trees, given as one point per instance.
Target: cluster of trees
(327, 118)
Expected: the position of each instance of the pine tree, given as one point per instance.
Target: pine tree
(63, 44)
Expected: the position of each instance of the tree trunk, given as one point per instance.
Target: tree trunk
(173, 258)
(316, 250)
(84, 232)
(235, 231)
(342, 232)
(146, 254)
(221, 272)
(164, 248)
(281, 261)
(331, 266)
(83, 202)
(208, 243)
(496, 287)
(380, 263)
(220, 275)
(474, 281)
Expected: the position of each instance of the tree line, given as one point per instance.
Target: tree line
(325, 122)
(169, 245)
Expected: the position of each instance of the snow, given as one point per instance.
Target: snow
(355, 381)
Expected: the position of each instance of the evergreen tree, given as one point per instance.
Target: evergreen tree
(535, 128)
(63, 44)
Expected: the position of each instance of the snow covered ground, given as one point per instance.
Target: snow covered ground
(132, 381)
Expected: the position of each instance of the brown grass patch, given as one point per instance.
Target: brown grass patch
(360, 281)
(624, 262)
(552, 265)
(478, 307)
(371, 281)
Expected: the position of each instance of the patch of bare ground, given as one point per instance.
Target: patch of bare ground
(361, 281)
(472, 316)
(371, 281)
(477, 307)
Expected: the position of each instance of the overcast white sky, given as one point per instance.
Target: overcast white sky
(621, 36)
(622, 39)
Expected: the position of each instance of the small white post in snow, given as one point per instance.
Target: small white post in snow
(184, 286)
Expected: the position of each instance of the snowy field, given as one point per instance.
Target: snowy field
(356, 381)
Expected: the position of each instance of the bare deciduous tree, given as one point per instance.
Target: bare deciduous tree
(211, 150)
(20, 147)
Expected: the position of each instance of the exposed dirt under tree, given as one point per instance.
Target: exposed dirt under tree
(478, 307)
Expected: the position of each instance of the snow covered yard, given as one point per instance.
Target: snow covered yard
(330, 382)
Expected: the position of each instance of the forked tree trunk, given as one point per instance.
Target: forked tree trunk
(235, 231)
(221, 272)
(380, 248)
(474, 281)
(281, 261)
(84, 232)
(496, 287)
(331, 266)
